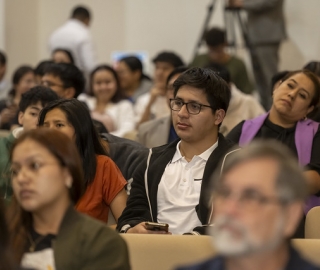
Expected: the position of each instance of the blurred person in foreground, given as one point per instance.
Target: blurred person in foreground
(46, 231)
(257, 203)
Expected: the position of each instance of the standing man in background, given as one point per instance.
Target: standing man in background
(266, 29)
(74, 36)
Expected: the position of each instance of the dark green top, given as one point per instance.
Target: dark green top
(236, 67)
(5, 185)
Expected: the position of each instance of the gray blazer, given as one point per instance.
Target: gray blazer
(155, 132)
(266, 23)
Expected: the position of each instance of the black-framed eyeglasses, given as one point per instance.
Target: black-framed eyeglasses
(246, 199)
(192, 107)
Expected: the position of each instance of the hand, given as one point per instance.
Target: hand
(155, 92)
(141, 228)
(7, 114)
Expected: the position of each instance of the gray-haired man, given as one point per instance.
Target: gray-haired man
(258, 202)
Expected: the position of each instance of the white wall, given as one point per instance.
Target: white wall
(143, 25)
(2, 25)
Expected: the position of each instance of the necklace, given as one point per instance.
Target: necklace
(33, 244)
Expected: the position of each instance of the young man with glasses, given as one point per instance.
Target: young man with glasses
(257, 203)
(64, 79)
(170, 187)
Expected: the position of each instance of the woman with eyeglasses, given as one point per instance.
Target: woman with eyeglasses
(46, 231)
(104, 183)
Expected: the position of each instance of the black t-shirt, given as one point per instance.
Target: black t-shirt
(284, 135)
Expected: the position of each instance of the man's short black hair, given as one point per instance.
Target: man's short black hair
(169, 57)
(216, 89)
(37, 94)
(69, 74)
(215, 37)
(176, 71)
(221, 70)
(81, 13)
(41, 67)
(3, 58)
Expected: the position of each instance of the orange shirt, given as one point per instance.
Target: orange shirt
(107, 183)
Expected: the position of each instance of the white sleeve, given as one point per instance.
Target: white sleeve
(87, 55)
(124, 118)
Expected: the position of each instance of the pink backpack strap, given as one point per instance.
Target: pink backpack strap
(305, 131)
(250, 128)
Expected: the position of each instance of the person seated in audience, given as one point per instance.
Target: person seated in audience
(46, 231)
(105, 185)
(160, 131)
(132, 79)
(107, 103)
(296, 97)
(39, 70)
(216, 41)
(4, 84)
(257, 202)
(170, 187)
(65, 79)
(23, 79)
(62, 56)
(241, 107)
(153, 105)
(68, 82)
(31, 103)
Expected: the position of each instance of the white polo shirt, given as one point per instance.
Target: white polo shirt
(179, 191)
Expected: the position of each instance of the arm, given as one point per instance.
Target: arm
(87, 55)
(313, 181)
(146, 116)
(118, 204)
(137, 209)
(255, 5)
(124, 118)
(104, 249)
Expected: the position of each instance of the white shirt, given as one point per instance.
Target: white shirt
(121, 114)
(75, 37)
(159, 108)
(179, 191)
(4, 89)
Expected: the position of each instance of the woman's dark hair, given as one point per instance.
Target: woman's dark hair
(67, 52)
(64, 150)
(313, 66)
(88, 141)
(17, 76)
(6, 254)
(315, 80)
(134, 64)
(119, 94)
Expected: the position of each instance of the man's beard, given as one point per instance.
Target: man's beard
(231, 238)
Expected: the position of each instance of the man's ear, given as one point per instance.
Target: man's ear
(293, 213)
(219, 116)
(69, 92)
(20, 118)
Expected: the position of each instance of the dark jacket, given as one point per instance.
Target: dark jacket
(142, 202)
(126, 154)
(296, 262)
(84, 243)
